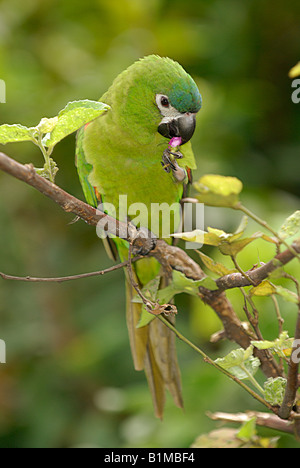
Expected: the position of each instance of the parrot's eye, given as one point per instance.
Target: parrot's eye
(164, 101)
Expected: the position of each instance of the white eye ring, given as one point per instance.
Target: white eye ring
(162, 101)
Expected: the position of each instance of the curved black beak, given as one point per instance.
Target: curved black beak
(182, 126)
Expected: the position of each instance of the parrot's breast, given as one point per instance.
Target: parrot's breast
(132, 181)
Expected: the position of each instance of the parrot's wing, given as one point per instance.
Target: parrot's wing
(92, 197)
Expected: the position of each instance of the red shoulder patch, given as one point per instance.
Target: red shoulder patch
(189, 174)
(98, 195)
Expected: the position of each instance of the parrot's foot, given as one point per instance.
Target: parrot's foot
(143, 240)
(169, 164)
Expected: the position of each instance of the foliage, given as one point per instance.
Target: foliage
(51, 131)
(245, 437)
(240, 364)
(274, 390)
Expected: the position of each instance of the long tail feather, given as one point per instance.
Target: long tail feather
(153, 349)
(162, 342)
(138, 337)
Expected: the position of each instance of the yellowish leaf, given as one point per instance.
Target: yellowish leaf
(212, 265)
(263, 289)
(217, 190)
(295, 71)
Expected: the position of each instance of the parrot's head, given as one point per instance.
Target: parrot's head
(156, 94)
(178, 107)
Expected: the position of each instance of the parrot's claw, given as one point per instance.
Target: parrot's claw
(176, 154)
(143, 240)
(169, 164)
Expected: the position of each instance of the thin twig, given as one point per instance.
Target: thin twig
(278, 314)
(263, 223)
(149, 304)
(280, 321)
(214, 364)
(253, 319)
(265, 354)
(241, 271)
(152, 307)
(62, 279)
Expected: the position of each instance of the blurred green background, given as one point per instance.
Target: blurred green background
(69, 379)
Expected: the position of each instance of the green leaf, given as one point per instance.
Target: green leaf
(247, 430)
(215, 267)
(151, 288)
(243, 224)
(274, 389)
(263, 289)
(219, 438)
(228, 243)
(282, 345)
(278, 273)
(149, 291)
(15, 133)
(190, 286)
(212, 237)
(181, 284)
(145, 318)
(50, 167)
(287, 295)
(217, 190)
(227, 437)
(47, 125)
(290, 226)
(240, 362)
(233, 246)
(208, 283)
(71, 118)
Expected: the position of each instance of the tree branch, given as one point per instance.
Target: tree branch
(292, 377)
(67, 202)
(262, 419)
(170, 257)
(255, 277)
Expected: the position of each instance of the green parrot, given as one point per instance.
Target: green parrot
(141, 148)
